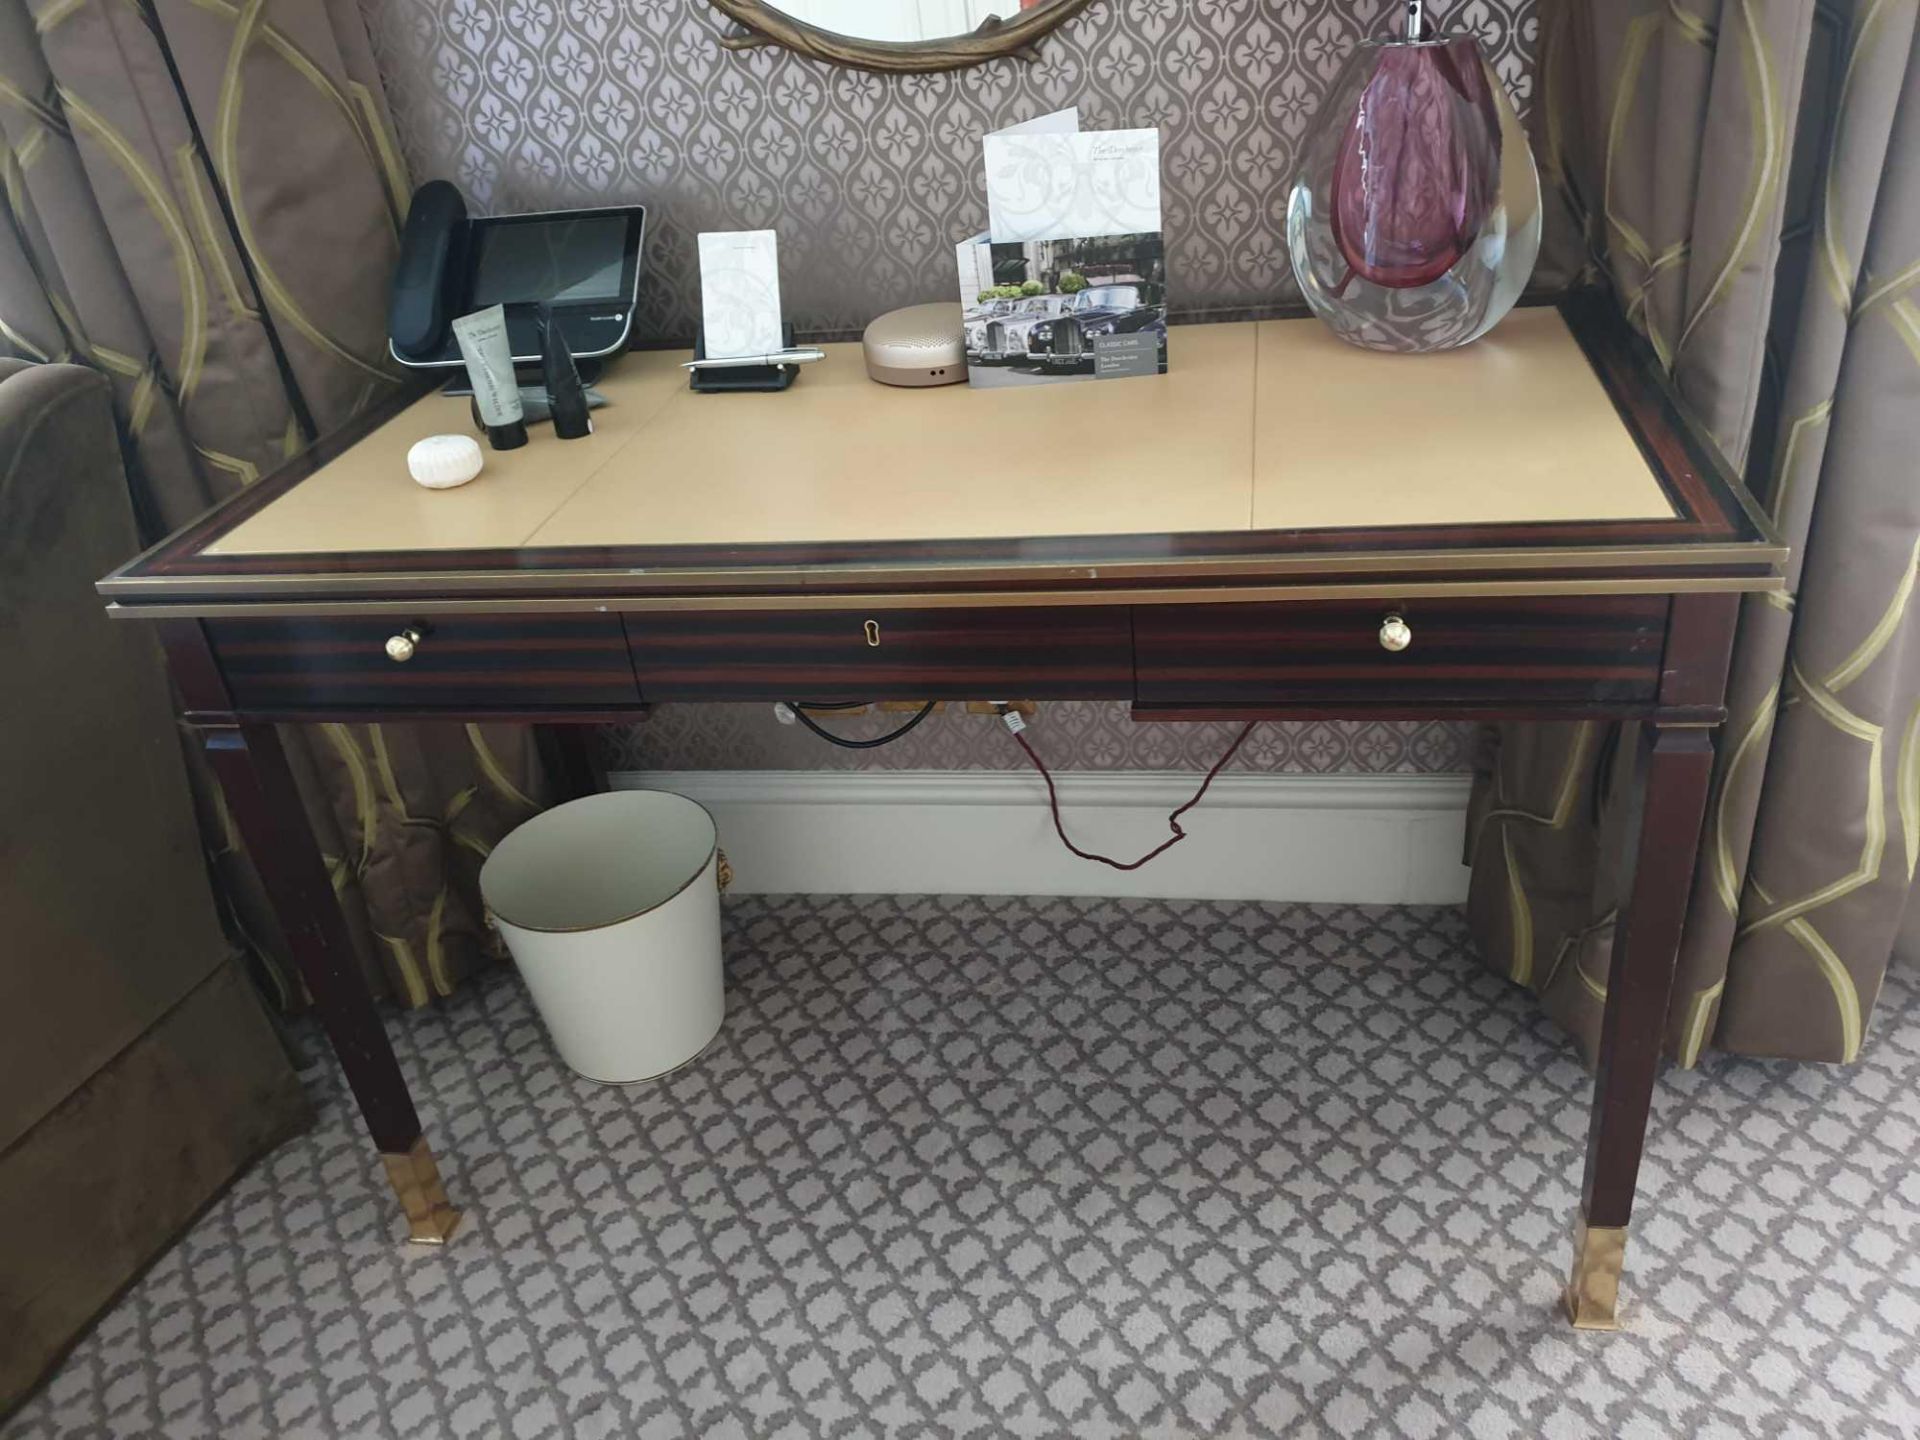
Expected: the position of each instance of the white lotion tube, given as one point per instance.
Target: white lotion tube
(482, 337)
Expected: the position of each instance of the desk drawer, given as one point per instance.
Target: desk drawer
(1594, 649)
(1042, 653)
(480, 663)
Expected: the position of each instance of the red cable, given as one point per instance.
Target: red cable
(1173, 820)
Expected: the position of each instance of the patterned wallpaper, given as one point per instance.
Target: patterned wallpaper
(530, 104)
(1069, 734)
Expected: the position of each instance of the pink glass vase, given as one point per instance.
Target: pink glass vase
(1414, 222)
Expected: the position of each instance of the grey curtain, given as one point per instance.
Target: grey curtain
(200, 199)
(1746, 175)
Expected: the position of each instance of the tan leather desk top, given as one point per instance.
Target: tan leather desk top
(1266, 425)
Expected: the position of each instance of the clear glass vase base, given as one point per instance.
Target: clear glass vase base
(1414, 221)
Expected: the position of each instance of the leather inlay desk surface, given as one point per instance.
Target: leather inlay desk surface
(1268, 425)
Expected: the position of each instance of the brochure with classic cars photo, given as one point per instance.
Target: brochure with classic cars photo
(1038, 311)
(1069, 281)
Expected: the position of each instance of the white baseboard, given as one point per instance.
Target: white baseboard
(1362, 839)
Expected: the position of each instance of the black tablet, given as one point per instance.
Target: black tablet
(585, 263)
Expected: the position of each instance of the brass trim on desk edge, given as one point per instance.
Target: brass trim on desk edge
(1664, 557)
(1764, 524)
(941, 600)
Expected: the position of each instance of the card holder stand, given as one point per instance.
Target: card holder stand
(742, 377)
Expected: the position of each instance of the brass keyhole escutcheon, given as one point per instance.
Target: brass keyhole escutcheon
(872, 627)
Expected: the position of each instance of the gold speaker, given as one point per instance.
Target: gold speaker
(920, 345)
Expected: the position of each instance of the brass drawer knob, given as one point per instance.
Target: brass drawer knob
(1395, 634)
(404, 646)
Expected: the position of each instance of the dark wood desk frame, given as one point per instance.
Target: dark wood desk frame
(1624, 620)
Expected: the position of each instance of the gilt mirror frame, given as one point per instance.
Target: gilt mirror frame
(759, 22)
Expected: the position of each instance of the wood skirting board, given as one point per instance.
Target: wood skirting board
(1359, 839)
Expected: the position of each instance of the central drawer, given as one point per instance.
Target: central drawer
(485, 663)
(1602, 650)
(1039, 653)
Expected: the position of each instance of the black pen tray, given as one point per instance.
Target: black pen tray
(742, 377)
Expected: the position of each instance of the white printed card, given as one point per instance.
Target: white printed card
(739, 293)
(1050, 186)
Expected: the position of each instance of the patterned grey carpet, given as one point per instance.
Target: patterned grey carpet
(1050, 1168)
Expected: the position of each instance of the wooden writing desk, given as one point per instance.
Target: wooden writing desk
(1250, 535)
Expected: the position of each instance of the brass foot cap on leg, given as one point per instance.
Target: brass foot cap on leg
(1593, 1290)
(415, 1178)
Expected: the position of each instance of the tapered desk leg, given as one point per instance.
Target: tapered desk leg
(1676, 765)
(253, 773)
(572, 758)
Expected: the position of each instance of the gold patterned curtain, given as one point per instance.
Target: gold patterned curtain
(1746, 174)
(201, 199)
